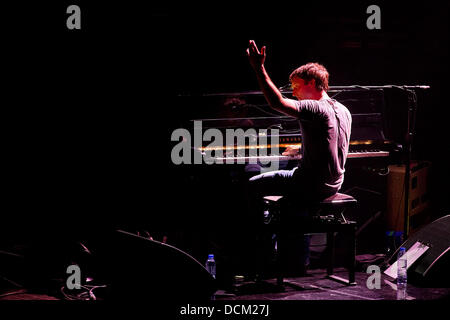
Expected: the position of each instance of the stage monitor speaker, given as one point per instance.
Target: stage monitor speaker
(143, 269)
(432, 268)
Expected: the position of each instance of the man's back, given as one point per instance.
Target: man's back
(326, 129)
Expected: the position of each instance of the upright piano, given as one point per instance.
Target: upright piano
(249, 111)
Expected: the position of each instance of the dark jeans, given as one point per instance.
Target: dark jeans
(287, 183)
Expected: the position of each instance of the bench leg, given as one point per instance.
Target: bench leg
(280, 258)
(352, 255)
(330, 249)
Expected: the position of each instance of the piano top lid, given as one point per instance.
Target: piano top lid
(250, 110)
(286, 89)
(253, 103)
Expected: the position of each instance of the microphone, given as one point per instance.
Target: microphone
(285, 87)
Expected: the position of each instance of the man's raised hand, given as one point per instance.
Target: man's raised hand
(255, 57)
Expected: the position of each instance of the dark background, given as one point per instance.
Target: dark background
(87, 114)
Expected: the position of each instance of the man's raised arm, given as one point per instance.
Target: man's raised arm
(270, 91)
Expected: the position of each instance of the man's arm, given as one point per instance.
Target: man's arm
(270, 91)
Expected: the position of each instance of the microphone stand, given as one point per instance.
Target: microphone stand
(412, 108)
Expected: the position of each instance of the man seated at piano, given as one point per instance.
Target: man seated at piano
(325, 126)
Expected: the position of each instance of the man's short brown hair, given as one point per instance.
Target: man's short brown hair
(311, 71)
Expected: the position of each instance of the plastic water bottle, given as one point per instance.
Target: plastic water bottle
(211, 265)
(401, 274)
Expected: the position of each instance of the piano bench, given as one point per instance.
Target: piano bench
(326, 216)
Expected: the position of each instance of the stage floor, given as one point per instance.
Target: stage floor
(315, 286)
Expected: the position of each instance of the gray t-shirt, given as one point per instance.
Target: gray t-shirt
(326, 127)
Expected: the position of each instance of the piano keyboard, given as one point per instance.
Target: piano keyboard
(351, 154)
